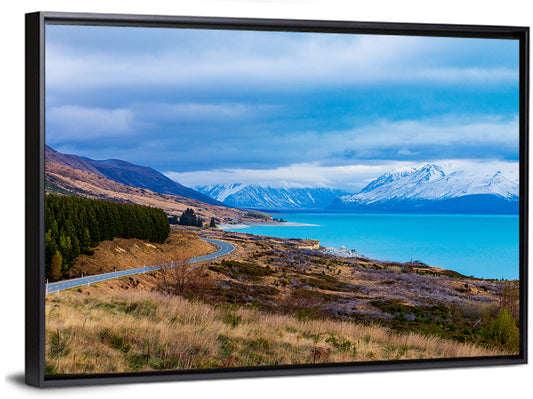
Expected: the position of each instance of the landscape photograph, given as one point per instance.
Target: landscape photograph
(220, 199)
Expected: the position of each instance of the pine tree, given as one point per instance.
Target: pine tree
(54, 230)
(188, 218)
(85, 241)
(212, 223)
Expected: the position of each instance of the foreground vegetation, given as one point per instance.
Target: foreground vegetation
(74, 225)
(272, 301)
(104, 332)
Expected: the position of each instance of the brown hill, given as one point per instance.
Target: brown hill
(64, 179)
(72, 161)
(128, 174)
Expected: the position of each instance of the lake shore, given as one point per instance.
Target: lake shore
(229, 226)
(484, 246)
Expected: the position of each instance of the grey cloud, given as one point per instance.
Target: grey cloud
(259, 58)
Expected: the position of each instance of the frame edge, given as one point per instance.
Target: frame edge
(276, 24)
(34, 213)
(524, 188)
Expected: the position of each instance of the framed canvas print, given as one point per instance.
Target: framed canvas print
(217, 197)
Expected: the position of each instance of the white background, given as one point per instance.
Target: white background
(492, 382)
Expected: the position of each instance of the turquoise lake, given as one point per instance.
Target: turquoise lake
(485, 246)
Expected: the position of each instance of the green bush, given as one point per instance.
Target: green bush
(342, 346)
(232, 319)
(503, 330)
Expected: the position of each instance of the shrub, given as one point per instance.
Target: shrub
(325, 282)
(246, 270)
(503, 330)
(232, 319)
(305, 314)
(321, 354)
(342, 346)
(59, 342)
(226, 345)
(477, 310)
(183, 280)
(509, 298)
(113, 340)
(261, 343)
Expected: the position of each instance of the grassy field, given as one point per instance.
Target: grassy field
(271, 302)
(94, 330)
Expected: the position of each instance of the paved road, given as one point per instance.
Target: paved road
(225, 248)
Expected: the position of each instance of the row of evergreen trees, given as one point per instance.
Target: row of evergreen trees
(74, 225)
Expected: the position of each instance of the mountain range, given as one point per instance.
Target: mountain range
(432, 189)
(270, 198)
(128, 174)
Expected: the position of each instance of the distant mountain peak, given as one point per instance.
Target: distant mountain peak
(431, 172)
(389, 177)
(423, 187)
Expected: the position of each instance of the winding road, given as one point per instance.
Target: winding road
(225, 248)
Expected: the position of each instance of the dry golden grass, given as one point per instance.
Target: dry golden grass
(96, 331)
(123, 254)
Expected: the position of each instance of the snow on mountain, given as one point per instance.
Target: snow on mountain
(221, 191)
(433, 188)
(431, 182)
(254, 196)
(423, 187)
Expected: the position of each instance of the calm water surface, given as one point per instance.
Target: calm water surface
(479, 245)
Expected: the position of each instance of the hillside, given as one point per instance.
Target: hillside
(128, 174)
(123, 254)
(63, 179)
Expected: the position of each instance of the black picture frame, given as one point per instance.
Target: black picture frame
(35, 150)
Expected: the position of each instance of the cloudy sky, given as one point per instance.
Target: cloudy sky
(277, 108)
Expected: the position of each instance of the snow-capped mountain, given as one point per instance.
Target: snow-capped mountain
(433, 188)
(258, 197)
